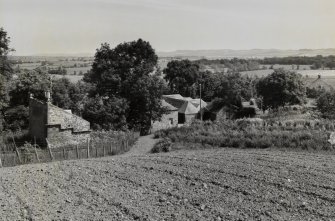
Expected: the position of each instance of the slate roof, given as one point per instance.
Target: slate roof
(188, 108)
(185, 105)
(320, 83)
(196, 102)
(177, 103)
(215, 107)
(168, 106)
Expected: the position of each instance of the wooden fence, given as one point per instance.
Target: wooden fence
(12, 156)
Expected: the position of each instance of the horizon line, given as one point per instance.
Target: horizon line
(89, 54)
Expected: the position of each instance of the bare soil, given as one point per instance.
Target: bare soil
(215, 184)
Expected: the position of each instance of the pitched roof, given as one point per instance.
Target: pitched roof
(320, 83)
(168, 106)
(188, 108)
(215, 106)
(251, 103)
(175, 96)
(196, 102)
(176, 102)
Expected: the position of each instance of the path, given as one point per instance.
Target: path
(142, 146)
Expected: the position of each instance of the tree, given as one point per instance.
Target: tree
(326, 104)
(5, 73)
(5, 68)
(145, 103)
(281, 88)
(181, 77)
(125, 73)
(35, 82)
(68, 95)
(107, 114)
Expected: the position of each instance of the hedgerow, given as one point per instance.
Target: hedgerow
(254, 134)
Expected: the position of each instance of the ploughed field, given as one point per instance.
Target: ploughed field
(216, 184)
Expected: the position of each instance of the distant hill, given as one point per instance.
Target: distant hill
(253, 53)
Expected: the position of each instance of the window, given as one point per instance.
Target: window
(171, 121)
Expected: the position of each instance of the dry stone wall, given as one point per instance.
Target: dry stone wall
(67, 120)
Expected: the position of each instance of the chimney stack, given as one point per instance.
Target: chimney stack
(47, 96)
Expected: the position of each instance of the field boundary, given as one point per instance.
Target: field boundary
(92, 148)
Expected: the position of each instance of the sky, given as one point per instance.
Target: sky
(80, 26)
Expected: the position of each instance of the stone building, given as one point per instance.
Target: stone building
(168, 120)
(218, 110)
(319, 84)
(187, 112)
(181, 110)
(58, 126)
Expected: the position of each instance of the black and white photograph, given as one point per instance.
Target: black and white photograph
(167, 110)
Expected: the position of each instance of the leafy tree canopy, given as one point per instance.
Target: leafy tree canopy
(182, 77)
(326, 104)
(281, 88)
(34, 82)
(106, 113)
(5, 69)
(114, 69)
(68, 95)
(124, 78)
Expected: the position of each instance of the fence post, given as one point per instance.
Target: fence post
(38, 159)
(103, 146)
(96, 150)
(111, 148)
(77, 151)
(49, 149)
(17, 152)
(64, 153)
(88, 147)
(0, 161)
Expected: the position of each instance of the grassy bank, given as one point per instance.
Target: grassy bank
(246, 134)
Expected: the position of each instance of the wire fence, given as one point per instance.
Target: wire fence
(11, 155)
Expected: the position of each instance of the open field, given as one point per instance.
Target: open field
(309, 73)
(214, 184)
(287, 66)
(72, 78)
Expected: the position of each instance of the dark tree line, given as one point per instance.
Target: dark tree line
(184, 77)
(277, 89)
(234, 65)
(316, 62)
(5, 74)
(122, 91)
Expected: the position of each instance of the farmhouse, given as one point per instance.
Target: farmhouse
(181, 110)
(58, 126)
(218, 110)
(215, 111)
(320, 84)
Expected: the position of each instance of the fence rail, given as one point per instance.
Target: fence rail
(92, 148)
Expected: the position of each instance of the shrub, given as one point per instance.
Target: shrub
(162, 146)
(246, 134)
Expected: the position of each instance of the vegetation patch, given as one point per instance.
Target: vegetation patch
(162, 146)
(253, 134)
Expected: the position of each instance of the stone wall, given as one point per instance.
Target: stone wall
(55, 124)
(189, 118)
(59, 137)
(167, 121)
(59, 116)
(37, 120)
